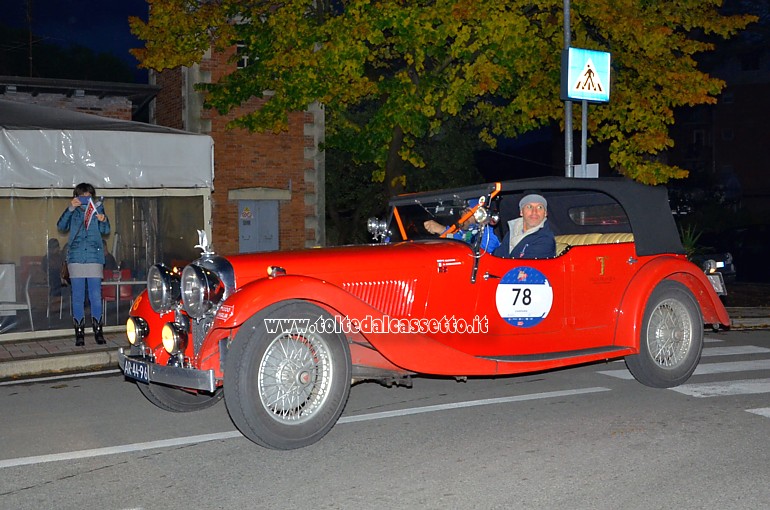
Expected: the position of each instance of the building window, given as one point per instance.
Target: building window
(243, 57)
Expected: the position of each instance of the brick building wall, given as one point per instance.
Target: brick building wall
(287, 164)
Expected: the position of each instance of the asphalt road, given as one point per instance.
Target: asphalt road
(586, 437)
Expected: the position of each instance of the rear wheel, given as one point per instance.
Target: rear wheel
(286, 389)
(671, 338)
(176, 400)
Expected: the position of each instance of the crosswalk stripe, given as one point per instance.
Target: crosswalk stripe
(707, 368)
(744, 387)
(732, 366)
(734, 350)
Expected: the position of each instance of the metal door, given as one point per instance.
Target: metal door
(257, 225)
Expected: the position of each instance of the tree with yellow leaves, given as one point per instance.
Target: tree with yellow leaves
(414, 64)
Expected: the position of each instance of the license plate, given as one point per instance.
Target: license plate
(138, 370)
(718, 282)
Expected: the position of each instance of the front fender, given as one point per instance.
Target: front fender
(631, 310)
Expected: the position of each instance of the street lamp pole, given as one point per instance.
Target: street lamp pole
(568, 158)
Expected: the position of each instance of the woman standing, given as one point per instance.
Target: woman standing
(86, 223)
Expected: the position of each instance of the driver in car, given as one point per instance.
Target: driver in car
(529, 236)
(467, 231)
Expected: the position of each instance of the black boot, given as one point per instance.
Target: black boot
(80, 332)
(98, 335)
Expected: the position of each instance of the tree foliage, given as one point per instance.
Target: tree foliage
(415, 64)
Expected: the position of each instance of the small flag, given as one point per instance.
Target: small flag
(90, 212)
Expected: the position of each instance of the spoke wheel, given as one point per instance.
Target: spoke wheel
(671, 337)
(295, 377)
(669, 333)
(287, 389)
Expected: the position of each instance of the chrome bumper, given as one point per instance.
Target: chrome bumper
(171, 376)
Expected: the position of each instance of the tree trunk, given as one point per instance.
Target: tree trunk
(394, 165)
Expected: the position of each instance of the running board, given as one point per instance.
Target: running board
(550, 356)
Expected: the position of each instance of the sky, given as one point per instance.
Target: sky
(101, 25)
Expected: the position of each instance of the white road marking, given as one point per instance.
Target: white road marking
(471, 403)
(180, 441)
(744, 387)
(709, 339)
(762, 411)
(732, 366)
(734, 350)
(707, 368)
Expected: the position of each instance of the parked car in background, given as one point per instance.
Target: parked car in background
(748, 246)
(713, 263)
(281, 335)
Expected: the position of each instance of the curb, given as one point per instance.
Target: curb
(748, 323)
(56, 364)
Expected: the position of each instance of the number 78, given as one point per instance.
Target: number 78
(525, 294)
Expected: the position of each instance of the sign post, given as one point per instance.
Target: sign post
(585, 76)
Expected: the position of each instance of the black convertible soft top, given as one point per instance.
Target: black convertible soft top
(646, 210)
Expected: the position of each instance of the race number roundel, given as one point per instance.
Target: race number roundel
(524, 297)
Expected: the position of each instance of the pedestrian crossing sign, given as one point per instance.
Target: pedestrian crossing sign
(585, 75)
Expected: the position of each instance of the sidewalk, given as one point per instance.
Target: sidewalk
(50, 356)
(57, 355)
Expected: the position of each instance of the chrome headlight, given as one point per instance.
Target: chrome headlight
(162, 288)
(201, 290)
(174, 338)
(136, 330)
(377, 227)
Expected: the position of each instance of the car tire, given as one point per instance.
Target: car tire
(671, 337)
(286, 390)
(176, 400)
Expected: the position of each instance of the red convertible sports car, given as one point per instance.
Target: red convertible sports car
(282, 335)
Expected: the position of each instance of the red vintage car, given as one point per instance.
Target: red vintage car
(282, 335)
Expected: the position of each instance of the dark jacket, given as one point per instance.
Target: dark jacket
(85, 246)
(537, 245)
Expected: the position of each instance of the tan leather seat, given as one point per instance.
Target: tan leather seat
(563, 242)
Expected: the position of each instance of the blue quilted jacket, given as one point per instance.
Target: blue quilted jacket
(85, 246)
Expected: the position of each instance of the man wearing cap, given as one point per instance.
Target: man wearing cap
(529, 236)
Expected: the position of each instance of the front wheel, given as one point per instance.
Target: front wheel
(671, 337)
(286, 385)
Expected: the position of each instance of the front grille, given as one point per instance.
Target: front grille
(197, 328)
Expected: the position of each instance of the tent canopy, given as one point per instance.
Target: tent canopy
(43, 147)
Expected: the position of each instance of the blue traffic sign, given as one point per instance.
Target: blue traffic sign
(585, 75)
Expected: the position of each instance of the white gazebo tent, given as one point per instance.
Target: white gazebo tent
(156, 183)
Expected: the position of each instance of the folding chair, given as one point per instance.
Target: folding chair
(114, 292)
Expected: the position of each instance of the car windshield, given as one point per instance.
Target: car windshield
(408, 221)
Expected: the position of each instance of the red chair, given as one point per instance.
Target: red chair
(114, 292)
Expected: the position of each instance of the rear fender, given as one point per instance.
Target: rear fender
(631, 310)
